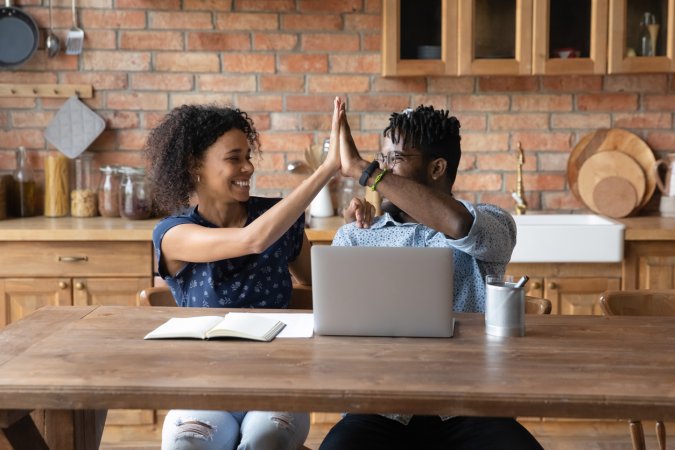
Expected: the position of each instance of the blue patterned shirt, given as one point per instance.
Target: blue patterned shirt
(485, 250)
(250, 281)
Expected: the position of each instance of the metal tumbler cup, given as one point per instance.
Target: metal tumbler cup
(504, 306)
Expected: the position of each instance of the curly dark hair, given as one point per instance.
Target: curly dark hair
(175, 148)
(433, 132)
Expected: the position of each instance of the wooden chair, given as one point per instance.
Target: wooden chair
(640, 303)
(537, 305)
(301, 297)
(155, 296)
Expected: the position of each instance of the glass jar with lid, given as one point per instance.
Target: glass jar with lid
(83, 197)
(134, 198)
(109, 192)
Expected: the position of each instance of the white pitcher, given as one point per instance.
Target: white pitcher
(667, 186)
(322, 205)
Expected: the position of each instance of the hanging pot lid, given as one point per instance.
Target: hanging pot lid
(19, 36)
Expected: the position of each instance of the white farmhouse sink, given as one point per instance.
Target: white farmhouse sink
(567, 238)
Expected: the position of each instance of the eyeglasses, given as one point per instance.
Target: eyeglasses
(392, 158)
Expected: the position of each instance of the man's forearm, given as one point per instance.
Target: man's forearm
(437, 210)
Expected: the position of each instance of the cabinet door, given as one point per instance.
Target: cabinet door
(577, 295)
(108, 291)
(495, 37)
(535, 287)
(570, 36)
(636, 48)
(22, 296)
(419, 38)
(649, 265)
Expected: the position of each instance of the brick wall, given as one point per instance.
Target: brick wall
(284, 60)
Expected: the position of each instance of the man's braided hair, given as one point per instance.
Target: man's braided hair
(175, 149)
(433, 132)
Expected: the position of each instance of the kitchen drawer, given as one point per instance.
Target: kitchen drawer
(71, 258)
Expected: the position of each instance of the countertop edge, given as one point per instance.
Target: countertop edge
(116, 229)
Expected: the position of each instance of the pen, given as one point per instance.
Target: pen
(522, 282)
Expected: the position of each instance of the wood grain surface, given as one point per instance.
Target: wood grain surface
(565, 366)
(612, 140)
(611, 165)
(615, 197)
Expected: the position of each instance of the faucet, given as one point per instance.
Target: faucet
(519, 194)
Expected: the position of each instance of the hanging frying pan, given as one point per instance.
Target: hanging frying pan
(19, 36)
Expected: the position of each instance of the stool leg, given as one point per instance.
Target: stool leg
(637, 435)
(661, 434)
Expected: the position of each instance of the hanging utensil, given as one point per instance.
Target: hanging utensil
(75, 36)
(53, 44)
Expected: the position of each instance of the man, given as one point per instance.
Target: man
(414, 174)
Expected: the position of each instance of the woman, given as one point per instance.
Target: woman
(232, 250)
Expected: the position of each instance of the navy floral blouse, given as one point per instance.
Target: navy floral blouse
(251, 281)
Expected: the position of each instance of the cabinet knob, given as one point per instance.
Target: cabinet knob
(552, 285)
(79, 285)
(536, 285)
(63, 285)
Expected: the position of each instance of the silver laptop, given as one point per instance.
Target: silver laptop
(382, 291)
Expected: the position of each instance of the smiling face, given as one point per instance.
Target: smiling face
(225, 173)
(409, 163)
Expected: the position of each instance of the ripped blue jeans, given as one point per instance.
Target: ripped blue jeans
(226, 430)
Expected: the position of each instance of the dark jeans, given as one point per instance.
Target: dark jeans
(374, 432)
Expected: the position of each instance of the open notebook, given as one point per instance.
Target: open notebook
(245, 325)
(234, 324)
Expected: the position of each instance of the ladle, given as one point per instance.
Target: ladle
(53, 43)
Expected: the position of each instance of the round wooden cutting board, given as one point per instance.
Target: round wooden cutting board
(597, 192)
(612, 140)
(615, 197)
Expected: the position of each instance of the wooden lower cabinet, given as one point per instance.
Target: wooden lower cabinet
(580, 296)
(572, 288)
(108, 291)
(22, 296)
(34, 274)
(649, 265)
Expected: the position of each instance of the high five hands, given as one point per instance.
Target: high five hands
(359, 211)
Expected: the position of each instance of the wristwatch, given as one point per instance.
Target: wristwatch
(368, 172)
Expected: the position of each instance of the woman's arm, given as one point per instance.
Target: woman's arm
(194, 243)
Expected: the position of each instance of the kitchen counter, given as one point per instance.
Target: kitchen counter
(76, 229)
(116, 229)
(653, 228)
(637, 228)
(322, 229)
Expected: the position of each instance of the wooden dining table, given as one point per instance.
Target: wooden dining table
(70, 364)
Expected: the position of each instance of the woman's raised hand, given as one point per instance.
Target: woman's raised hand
(333, 157)
(349, 154)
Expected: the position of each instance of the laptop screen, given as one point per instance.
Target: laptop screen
(382, 291)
